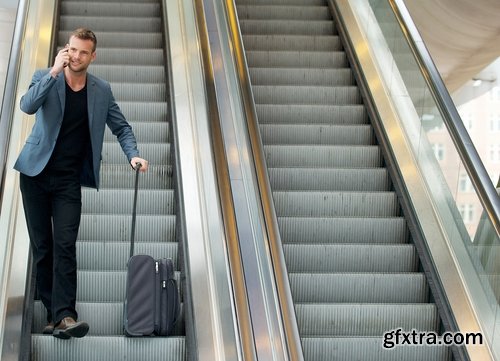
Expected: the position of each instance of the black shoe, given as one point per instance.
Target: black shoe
(48, 329)
(68, 328)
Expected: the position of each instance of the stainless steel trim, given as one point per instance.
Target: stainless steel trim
(214, 326)
(438, 242)
(266, 322)
(473, 163)
(288, 316)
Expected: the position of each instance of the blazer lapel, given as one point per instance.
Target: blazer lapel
(91, 94)
(61, 90)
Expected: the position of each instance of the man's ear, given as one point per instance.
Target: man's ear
(92, 57)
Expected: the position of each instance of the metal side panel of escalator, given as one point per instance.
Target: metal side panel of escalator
(353, 270)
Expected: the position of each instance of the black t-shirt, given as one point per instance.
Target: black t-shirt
(73, 141)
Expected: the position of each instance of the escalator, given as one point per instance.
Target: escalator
(353, 269)
(131, 56)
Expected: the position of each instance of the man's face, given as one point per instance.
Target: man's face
(80, 54)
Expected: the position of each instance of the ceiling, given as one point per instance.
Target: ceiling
(462, 36)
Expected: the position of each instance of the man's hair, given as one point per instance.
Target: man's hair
(85, 34)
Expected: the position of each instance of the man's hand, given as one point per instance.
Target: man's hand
(61, 61)
(143, 162)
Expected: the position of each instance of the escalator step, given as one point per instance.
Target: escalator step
(303, 76)
(296, 59)
(120, 201)
(149, 228)
(113, 256)
(354, 230)
(316, 134)
(121, 40)
(358, 287)
(99, 286)
(333, 258)
(289, 12)
(145, 132)
(120, 176)
(311, 114)
(335, 204)
(146, 92)
(338, 179)
(157, 153)
(136, 56)
(144, 111)
(363, 319)
(107, 8)
(323, 156)
(103, 23)
(285, 94)
(368, 349)
(115, 348)
(130, 74)
(292, 42)
(287, 26)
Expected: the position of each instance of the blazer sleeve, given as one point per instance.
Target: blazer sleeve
(41, 83)
(121, 128)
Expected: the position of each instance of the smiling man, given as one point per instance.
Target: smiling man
(61, 154)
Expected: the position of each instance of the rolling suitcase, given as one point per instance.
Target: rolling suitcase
(151, 304)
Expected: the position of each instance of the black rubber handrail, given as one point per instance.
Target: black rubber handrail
(466, 150)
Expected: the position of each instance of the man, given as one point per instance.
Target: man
(61, 154)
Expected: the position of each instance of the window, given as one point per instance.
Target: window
(438, 151)
(495, 122)
(467, 119)
(495, 94)
(495, 153)
(464, 183)
(467, 212)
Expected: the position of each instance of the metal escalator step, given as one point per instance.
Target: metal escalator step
(335, 204)
(102, 23)
(351, 230)
(339, 179)
(301, 76)
(109, 286)
(283, 2)
(316, 134)
(113, 256)
(311, 114)
(286, 94)
(104, 318)
(158, 153)
(144, 111)
(359, 288)
(332, 258)
(120, 40)
(120, 201)
(148, 92)
(128, 56)
(145, 132)
(296, 59)
(364, 319)
(116, 228)
(107, 8)
(129, 73)
(119, 176)
(116, 348)
(287, 26)
(275, 12)
(368, 349)
(322, 156)
(292, 42)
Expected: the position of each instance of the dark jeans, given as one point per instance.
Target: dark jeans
(52, 205)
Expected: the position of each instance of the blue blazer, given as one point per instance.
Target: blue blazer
(46, 97)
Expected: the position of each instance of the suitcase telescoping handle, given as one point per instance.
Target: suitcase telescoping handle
(134, 208)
